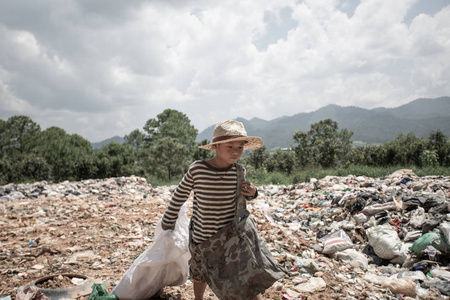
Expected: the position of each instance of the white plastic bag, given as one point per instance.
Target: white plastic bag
(314, 284)
(164, 263)
(336, 241)
(385, 241)
(445, 230)
(354, 258)
(400, 286)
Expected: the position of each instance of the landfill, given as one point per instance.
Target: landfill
(348, 237)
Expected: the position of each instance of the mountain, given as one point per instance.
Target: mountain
(371, 126)
(99, 145)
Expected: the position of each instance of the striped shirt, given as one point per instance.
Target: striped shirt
(214, 199)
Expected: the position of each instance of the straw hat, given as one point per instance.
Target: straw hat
(233, 131)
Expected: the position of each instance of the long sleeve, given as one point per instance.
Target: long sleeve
(179, 197)
(213, 202)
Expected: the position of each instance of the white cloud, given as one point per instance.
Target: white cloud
(104, 68)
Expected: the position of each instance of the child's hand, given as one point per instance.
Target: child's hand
(248, 189)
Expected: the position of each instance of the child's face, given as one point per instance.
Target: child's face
(230, 152)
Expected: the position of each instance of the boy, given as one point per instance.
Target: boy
(214, 183)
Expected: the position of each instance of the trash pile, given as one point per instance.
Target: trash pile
(380, 237)
(349, 237)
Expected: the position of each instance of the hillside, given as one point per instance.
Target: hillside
(99, 145)
(371, 126)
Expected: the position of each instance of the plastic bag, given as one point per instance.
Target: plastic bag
(400, 286)
(441, 273)
(385, 242)
(30, 292)
(336, 241)
(99, 292)
(314, 284)
(354, 258)
(429, 239)
(445, 230)
(418, 217)
(164, 263)
(377, 208)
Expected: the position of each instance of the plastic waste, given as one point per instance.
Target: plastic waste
(400, 286)
(354, 258)
(445, 230)
(430, 225)
(385, 241)
(336, 241)
(164, 263)
(99, 292)
(403, 254)
(360, 218)
(412, 275)
(373, 278)
(307, 265)
(431, 252)
(442, 286)
(412, 235)
(377, 208)
(428, 239)
(314, 284)
(441, 273)
(373, 257)
(31, 292)
(418, 218)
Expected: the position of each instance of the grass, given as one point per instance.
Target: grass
(154, 181)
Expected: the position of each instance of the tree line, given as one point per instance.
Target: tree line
(165, 147)
(325, 146)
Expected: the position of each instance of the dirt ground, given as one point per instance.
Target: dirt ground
(99, 237)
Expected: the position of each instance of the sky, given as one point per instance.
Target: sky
(103, 68)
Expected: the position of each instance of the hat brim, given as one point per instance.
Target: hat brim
(252, 142)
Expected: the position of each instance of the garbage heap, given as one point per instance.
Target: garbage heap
(379, 237)
(351, 237)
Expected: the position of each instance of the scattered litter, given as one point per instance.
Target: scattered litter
(360, 237)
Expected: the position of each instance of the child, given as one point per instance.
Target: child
(214, 183)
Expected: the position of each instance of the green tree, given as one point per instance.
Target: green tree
(372, 155)
(440, 144)
(201, 154)
(170, 141)
(139, 152)
(257, 157)
(323, 144)
(33, 168)
(304, 149)
(135, 139)
(405, 150)
(281, 160)
(3, 139)
(5, 171)
(429, 158)
(69, 156)
(115, 160)
(18, 139)
(18, 136)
